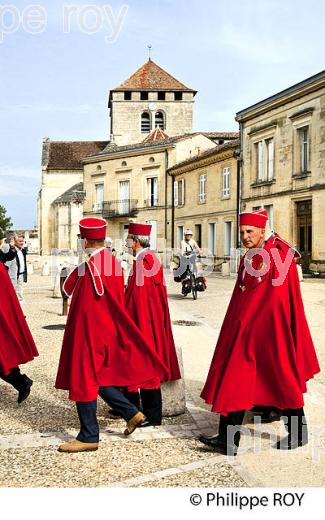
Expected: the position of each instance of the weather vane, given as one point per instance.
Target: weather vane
(149, 49)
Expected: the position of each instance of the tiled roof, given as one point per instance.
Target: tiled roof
(152, 77)
(112, 149)
(156, 135)
(68, 195)
(221, 135)
(68, 155)
(207, 153)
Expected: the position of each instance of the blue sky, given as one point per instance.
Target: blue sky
(55, 83)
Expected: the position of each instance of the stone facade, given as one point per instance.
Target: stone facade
(125, 176)
(205, 200)
(126, 115)
(150, 98)
(62, 169)
(283, 165)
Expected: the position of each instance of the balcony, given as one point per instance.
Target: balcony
(120, 208)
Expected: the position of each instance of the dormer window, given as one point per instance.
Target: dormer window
(159, 120)
(144, 96)
(145, 122)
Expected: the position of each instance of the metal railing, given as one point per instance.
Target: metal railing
(119, 208)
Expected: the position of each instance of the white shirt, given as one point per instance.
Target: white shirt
(21, 259)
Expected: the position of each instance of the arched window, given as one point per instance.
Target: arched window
(145, 122)
(124, 163)
(159, 120)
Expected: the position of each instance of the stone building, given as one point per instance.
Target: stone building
(62, 169)
(283, 165)
(126, 183)
(150, 98)
(205, 198)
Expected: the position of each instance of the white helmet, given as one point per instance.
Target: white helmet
(188, 232)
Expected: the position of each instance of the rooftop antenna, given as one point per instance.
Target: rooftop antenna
(149, 51)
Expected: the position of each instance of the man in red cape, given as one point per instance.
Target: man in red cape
(147, 304)
(102, 348)
(264, 354)
(17, 346)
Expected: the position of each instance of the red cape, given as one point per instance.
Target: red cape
(16, 342)
(264, 354)
(101, 344)
(147, 305)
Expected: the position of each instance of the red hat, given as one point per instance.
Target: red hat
(93, 228)
(256, 218)
(139, 229)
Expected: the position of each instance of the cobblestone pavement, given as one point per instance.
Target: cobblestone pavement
(164, 456)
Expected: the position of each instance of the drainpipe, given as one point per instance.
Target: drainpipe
(173, 213)
(166, 194)
(239, 181)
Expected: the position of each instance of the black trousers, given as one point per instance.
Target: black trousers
(15, 378)
(151, 403)
(89, 428)
(294, 419)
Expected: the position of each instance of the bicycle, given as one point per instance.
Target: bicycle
(189, 277)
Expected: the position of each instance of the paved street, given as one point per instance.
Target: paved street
(154, 457)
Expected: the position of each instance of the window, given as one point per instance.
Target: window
(159, 120)
(304, 149)
(198, 234)
(211, 237)
(153, 234)
(144, 96)
(145, 122)
(180, 235)
(178, 96)
(124, 163)
(161, 96)
(269, 209)
(226, 182)
(99, 197)
(152, 189)
(202, 188)
(127, 96)
(265, 160)
(151, 159)
(228, 241)
(179, 192)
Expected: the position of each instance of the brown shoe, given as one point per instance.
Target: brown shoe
(76, 446)
(133, 423)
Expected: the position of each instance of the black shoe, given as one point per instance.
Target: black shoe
(219, 444)
(291, 443)
(24, 392)
(147, 423)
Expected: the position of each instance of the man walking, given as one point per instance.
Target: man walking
(17, 346)
(264, 354)
(17, 267)
(147, 304)
(102, 348)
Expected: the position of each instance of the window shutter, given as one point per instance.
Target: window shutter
(183, 191)
(175, 193)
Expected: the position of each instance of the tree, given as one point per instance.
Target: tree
(5, 222)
